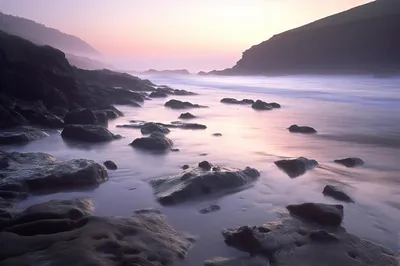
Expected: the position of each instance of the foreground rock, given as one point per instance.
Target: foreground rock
(197, 182)
(261, 105)
(292, 242)
(296, 167)
(43, 173)
(324, 214)
(336, 193)
(110, 165)
(251, 261)
(80, 117)
(176, 104)
(63, 233)
(187, 116)
(149, 128)
(350, 162)
(302, 129)
(22, 136)
(88, 133)
(234, 101)
(155, 142)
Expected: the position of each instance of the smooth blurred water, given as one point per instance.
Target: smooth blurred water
(355, 117)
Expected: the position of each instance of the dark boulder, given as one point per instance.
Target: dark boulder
(336, 193)
(88, 133)
(275, 105)
(80, 117)
(244, 238)
(260, 105)
(176, 104)
(155, 142)
(195, 182)
(321, 235)
(205, 165)
(324, 214)
(158, 94)
(187, 116)
(110, 165)
(302, 129)
(296, 167)
(184, 167)
(350, 162)
(149, 128)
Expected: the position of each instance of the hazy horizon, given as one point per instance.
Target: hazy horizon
(200, 35)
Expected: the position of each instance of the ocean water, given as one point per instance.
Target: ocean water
(355, 117)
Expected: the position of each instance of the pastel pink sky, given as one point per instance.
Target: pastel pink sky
(172, 34)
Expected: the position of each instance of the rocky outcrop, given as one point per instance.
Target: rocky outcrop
(302, 129)
(37, 114)
(234, 101)
(293, 242)
(88, 133)
(165, 91)
(155, 142)
(350, 162)
(176, 104)
(296, 167)
(324, 214)
(149, 128)
(198, 181)
(80, 117)
(336, 193)
(20, 136)
(65, 233)
(186, 116)
(110, 165)
(43, 173)
(158, 94)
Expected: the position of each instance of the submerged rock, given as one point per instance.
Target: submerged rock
(176, 104)
(336, 193)
(211, 208)
(350, 162)
(217, 134)
(296, 167)
(57, 238)
(250, 261)
(324, 214)
(88, 133)
(80, 117)
(155, 142)
(302, 129)
(234, 101)
(110, 165)
(149, 128)
(197, 182)
(292, 242)
(181, 125)
(18, 137)
(43, 173)
(187, 116)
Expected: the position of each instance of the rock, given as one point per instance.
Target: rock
(88, 133)
(149, 128)
(324, 214)
(275, 105)
(217, 135)
(80, 117)
(21, 137)
(142, 239)
(251, 261)
(111, 114)
(176, 104)
(155, 142)
(158, 94)
(184, 167)
(110, 165)
(10, 118)
(336, 193)
(129, 102)
(43, 173)
(170, 91)
(205, 165)
(175, 150)
(260, 105)
(211, 208)
(302, 129)
(58, 111)
(196, 182)
(101, 118)
(187, 116)
(234, 101)
(292, 242)
(350, 162)
(181, 125)
(296, 167)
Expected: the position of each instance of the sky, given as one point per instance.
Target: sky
(174, 34)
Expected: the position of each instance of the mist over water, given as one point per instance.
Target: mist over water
(356, 116)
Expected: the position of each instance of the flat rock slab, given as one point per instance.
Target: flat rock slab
(250, 261)
(350, 162)
(176, 104)
(336, 193)
(324, 214)
(296, 167)
(197, 182)
(43, 173)
(291, 242)
(88, 133)
(21, 136)
(143, 239)
(302, 129)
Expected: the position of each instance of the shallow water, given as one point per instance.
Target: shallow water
(355, 117)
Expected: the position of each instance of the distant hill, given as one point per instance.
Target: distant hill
(42, 35)
(365, 39)
(167, 72)
(86, 62)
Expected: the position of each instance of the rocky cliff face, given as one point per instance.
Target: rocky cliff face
(365, 39)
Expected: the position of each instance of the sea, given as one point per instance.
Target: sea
(355, 116)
